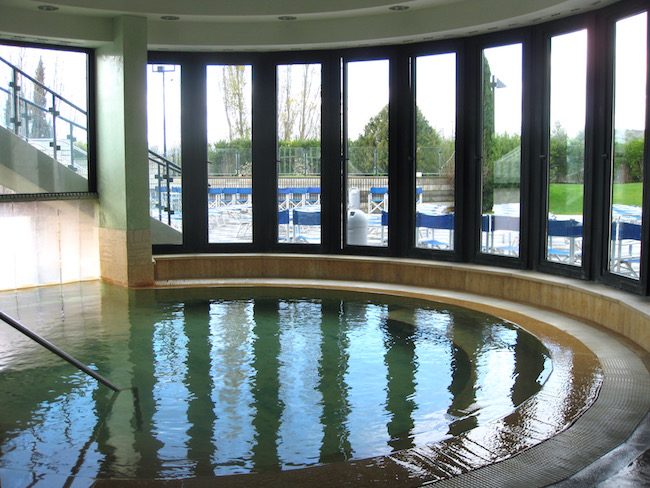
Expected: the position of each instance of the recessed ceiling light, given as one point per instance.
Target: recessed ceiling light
(398, 8)
(169, 17)
(47, 8)
(287, 17)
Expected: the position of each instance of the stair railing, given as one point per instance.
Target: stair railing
(162, 173)
(56, 350)
(23, 111)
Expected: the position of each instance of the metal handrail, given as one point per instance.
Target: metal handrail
(63, 99)
(43, 109)
(18, 101)
(165, 168)
(57, 350)
(163, 160)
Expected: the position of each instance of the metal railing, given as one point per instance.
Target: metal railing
(164, 196)
(57, 350)
(52, 124)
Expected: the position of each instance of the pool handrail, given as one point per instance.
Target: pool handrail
(56, 350)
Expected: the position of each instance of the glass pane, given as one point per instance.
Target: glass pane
(299, 143)
(230, 163)
(566, 153)
(44, 119)
(628, 146)
(165, 165)
(435, 152)
(501, 150)
(367, 153)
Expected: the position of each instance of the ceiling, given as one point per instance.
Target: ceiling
(276, 24)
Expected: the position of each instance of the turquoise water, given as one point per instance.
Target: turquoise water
(241, 381)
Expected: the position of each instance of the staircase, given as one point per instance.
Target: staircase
(30, 118)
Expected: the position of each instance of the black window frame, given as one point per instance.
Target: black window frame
(541, 146)
(433, 49)
(91, 103)
(535, 41)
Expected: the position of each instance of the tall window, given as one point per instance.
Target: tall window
(44, 118)
(230, 164)
(435, 137)
(165, 168)
(501, 149)
(628, 141)
(366, 123)
(299, 152)
(566, 149)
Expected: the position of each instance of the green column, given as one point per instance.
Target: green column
(122, 164)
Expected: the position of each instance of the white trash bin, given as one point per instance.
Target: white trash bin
(357, 228)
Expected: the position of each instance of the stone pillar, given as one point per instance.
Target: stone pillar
(122, 169)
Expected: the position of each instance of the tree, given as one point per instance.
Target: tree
(487, 169)
(558, 155)
(368, 154)
(633, 157)
(298, 107)
(8, 123)
(309, 114)
(40, 127)
(234, 98)
(286, 111)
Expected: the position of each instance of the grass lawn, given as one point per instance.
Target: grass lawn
(566, 198)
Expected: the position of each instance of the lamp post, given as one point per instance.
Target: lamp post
(164, 68)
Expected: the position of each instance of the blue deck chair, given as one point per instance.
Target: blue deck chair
(377, 196)
(486, 230)
(418, 194)
(430, 223)
(298, 196)
(229, 196)
(214, 197)
(283, 219)
(510, 225)
(304, 219)
(569, 230)
(244, 196)
(628, 264)
(284, 196)
(313, 195)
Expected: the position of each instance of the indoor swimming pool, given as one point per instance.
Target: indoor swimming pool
(222, 381)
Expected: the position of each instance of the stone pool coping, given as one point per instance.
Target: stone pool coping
(622, 403)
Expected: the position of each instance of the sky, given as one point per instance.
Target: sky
(65, 71)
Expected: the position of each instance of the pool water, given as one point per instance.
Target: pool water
(221, 381)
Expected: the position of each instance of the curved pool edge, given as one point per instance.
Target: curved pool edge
(622, 403)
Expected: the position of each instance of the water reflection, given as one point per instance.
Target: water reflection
(333, 369)
(263, 384)
(267, 404)
(232, 373)
(401, 365)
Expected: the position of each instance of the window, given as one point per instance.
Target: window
(44, 119)
(435, 156)
(628, 142)
(501, 149)
(366, 132)
(299, 153)
(229, 156)
(165, 166)
(566, 148)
